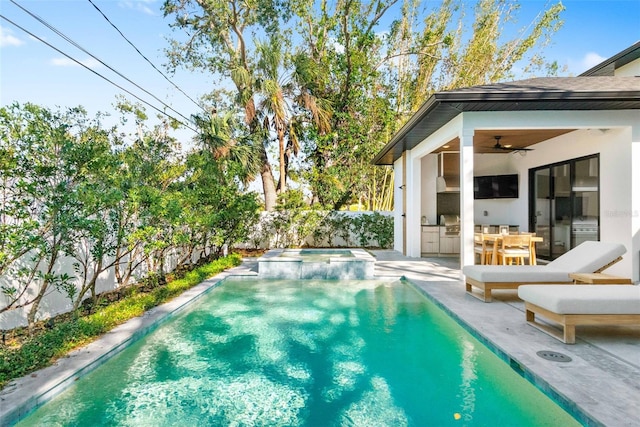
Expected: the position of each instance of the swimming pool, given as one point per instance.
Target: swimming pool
(312, 353)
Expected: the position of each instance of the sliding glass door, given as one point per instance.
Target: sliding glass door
(564, 205)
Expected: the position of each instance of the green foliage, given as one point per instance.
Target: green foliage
(43, 349)
(381, 228)
(328, 80)
(73, 192)
(299, 227)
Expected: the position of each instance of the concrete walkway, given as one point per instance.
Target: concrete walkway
(601, 383)
(602, 380)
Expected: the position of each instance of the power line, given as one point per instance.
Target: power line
(96, 73)
(71, 41)
(144, 57)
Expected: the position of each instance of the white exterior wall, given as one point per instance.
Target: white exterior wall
(632, 69)
(634, 213)
(412, 212)
(607, 133)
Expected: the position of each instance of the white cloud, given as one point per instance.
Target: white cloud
(140, 5)
(8, 39)
(66, 62)
(578, 66)
(590, 60)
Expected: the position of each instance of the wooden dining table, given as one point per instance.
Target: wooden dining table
(495, 239)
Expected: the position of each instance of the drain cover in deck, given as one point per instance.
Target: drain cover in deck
(554, 356)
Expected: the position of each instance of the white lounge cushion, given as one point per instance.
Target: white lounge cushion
(515, 273)
(583, 299)
(588, 257)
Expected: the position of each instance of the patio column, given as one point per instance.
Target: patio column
(412, 205)
(635, 203)
(467, 220)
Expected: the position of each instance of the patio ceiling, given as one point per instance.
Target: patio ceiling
(484, 140)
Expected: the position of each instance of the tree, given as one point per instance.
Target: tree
(231, 145)
(446, 54)
(287, 101)
(217, 211)
(42, 208)
(344, 49)
(339, 55)
(217, 42)
(74, 193)
(375, 80)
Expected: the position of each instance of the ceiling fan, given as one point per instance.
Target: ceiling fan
(499, 146)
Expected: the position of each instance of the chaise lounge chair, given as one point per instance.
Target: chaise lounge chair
(571, 305)
(588, 257)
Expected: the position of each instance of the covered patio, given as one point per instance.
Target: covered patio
(570, 142)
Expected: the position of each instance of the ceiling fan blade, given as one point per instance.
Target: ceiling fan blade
(499, 146)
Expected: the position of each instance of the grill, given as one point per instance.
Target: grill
(451, 224)
(584, 229)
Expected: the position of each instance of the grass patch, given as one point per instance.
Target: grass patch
(44, 346)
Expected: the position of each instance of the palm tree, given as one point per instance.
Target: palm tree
(287, 101)
(222, 136)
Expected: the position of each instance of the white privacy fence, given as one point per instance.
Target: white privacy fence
(273, 230)
(56, 299)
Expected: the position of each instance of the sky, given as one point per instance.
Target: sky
(30, 71)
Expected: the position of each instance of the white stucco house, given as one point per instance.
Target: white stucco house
(559, 156)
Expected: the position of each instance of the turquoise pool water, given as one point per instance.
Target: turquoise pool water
(305, 353)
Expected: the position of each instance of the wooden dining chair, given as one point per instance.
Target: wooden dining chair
(480, 248)
(514, 247)
(532, 248)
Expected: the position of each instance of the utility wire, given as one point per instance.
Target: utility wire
(96, 73)
(69, 40)
(144, 57)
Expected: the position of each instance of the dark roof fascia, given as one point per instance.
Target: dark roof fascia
(542, 96)
(616, 61)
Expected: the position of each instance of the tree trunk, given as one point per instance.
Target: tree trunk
(33, 311)
(283, 169)
(268, 185)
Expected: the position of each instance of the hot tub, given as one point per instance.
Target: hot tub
(327, 264)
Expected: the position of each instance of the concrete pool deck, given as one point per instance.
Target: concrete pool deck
(602, 381)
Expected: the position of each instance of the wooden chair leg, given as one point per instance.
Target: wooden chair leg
(487, 295)
(531, 316)
(569, 334)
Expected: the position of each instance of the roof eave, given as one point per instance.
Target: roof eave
(620, 59)
(429, 105)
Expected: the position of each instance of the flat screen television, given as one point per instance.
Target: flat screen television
(495, 187)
